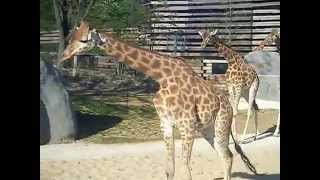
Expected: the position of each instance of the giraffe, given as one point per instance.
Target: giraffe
(241, 79)
(184, 100)
(274, 36)
(276, 132)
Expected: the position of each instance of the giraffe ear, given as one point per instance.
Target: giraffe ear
(203, 34)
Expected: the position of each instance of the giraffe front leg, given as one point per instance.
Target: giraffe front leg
(168, 137)
(187, 143)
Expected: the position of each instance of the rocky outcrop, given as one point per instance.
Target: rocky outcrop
(59, 124)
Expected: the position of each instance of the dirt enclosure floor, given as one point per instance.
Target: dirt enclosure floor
(145, 160)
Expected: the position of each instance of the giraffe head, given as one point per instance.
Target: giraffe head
(82, 39)
(274, 35)
(206, 35)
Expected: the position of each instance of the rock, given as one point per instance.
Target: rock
(61, 122)
(267, 65)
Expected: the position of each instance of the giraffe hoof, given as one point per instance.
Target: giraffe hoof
(276, 135)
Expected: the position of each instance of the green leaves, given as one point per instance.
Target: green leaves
(117, 14)
(47, 19)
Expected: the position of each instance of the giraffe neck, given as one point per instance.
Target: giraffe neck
(152, 64)
(228, 53)
(267, 41)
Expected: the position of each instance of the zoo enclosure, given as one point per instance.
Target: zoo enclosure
(174, 27)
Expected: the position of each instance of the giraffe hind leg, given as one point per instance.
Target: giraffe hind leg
(237, 95)
(221, 143)
(232, 93)
(222, 131)
(276, 132)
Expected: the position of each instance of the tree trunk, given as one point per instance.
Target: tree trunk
(67, 17)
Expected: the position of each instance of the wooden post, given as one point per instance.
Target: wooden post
(75, 63)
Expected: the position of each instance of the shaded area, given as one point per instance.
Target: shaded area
(256, 177)
(90, 124)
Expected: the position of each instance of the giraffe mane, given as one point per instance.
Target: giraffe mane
(139, 48)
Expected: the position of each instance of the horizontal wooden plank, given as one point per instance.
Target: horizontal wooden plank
(193, 54)
(202, 50)
(212, 61)
(169, 2)
(198, 37)
(221, 31)
(49, 42)
(199, 19)
(213, 24)
(189, 20)
(195, 14)
(50, 35)
(198, 43)
(48, 32)
(219, 6)
(266, 11)
(49, 38)
(235, 13)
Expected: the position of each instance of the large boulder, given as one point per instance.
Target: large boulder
(60, 121)
(267, 65)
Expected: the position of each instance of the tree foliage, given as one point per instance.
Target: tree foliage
(47, 18)
(118, 14)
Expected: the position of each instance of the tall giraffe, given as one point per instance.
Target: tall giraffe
(272, 37)
(184, 100)
(241, 78)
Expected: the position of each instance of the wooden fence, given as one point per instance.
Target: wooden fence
(175, 25)
(243, 23)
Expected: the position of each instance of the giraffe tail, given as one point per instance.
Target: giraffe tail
(255, 106)
(244, 158)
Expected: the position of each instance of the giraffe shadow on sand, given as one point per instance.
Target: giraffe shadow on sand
(265, 134)
(256, 177)
(89, 124)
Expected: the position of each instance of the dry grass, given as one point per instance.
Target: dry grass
(113, 119)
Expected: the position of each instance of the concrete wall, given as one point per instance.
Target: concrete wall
(267, 65)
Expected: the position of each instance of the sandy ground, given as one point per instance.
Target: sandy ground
(80, 161)
(263, 104)
(146, 161)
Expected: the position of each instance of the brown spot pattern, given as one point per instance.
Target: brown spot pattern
(133, 54)
(173, 89)
(156, 64)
